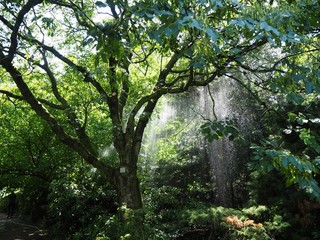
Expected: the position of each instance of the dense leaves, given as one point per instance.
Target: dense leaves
(88, 65)
(219, 129)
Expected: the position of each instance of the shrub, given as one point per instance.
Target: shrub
(256, 222)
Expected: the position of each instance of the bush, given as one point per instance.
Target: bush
(256, 222)
(79, 205)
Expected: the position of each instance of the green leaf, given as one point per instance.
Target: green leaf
(316, 161)
(265, 26)
(275, 31)
(238, 22)
(292, 116)
(196, 24)
(283, 37)
(289, 181)
(295, 98)
(270, 167)
(285, 161)
(272, 153)
(310, 87)
(210, 138)
(101, 4)
(198, 63)
(184, 20)
(164, 12)
(297, 77)
(212, 34)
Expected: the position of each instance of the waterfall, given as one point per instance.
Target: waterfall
(221, 153)
(213, 102)
(163, 113)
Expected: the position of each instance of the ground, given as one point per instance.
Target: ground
(17, 229)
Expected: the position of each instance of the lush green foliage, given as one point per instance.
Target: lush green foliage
(79, 204)
(31, 157)
(93, 72)
(291, 142)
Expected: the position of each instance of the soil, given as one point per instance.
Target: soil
(17, 229)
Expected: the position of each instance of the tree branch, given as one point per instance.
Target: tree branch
(88, 154)
(25, 172)
(15, 30)
(11, 95)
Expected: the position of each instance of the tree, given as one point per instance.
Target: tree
(95, 81)
(30, 157)
(28, 148)
(291, 145)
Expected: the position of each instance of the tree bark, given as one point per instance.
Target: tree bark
(128, 188)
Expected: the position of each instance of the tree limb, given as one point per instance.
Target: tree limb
(15, 30)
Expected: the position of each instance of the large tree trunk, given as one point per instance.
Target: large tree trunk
(126, 177)
(128, 188)
(128, 145)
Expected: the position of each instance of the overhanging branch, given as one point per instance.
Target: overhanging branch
(15, 30)
(12, 95)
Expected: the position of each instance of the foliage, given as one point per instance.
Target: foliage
(201, 222)
(73, 192)
(291, 143)
(30, 158)
(293, 204)
(94, 72)
(249, 223)
(218, 129)
(296, 170)
(102, 78)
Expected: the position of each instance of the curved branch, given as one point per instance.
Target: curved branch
(12, 95)
(85, 151)
(53, 81)
(15, 30)
(82, 70)
(26, 172)
(21, 98)
(264, 104)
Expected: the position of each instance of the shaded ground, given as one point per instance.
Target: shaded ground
(16, 229)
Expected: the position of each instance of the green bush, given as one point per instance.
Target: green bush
(257, 222)
(79, 205)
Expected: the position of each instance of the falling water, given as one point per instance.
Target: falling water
(211, 103)
(221, 153)
(160, 118)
